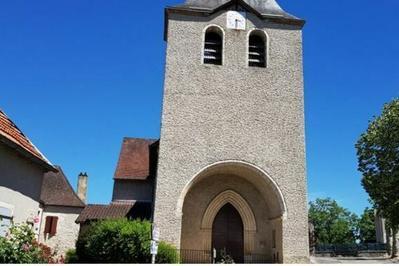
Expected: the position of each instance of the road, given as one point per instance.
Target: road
(351, 260)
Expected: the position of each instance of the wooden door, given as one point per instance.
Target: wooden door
(228, 234)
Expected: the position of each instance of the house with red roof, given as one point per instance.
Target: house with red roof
(34, 191)
(22, 167)
(134, 182)
(61, 207)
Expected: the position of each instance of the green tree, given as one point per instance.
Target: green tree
(367, 231)
(333, 224)
(378, 159)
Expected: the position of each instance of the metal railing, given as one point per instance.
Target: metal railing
(195, 256)
(206, 257)
(350, 249)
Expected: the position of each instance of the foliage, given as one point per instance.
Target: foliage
(167, 254)
(71, 257)
(120, 241)
(20, 246)
(378, 159)
(367, 230)
(332, 223)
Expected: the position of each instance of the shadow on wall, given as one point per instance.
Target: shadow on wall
(19, 175)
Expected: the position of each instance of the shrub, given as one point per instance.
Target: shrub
(20, 246)
(120, 241)
(71, 257)
(167, 254)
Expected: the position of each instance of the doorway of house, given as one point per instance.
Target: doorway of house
(228, 235)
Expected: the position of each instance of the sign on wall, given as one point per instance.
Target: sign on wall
(155, 233)
(154, 242)
(154, 247)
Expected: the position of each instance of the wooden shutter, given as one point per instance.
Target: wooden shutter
(47, 226)
(51, 225)
(54, 222)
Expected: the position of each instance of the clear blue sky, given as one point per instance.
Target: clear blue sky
(79, 75)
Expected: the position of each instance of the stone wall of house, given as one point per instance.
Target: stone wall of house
(233, 112)
(127, 190)
(67, 229)
(20, 186)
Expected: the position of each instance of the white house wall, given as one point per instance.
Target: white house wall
(20, 185)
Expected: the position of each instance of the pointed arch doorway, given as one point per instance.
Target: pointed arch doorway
(228, 234)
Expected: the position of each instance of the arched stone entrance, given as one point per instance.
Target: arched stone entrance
(251, 192)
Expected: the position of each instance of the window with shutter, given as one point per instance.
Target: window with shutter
(213, 47)
(51, 225)
(257, 50)
(54, 223)
(47, 226)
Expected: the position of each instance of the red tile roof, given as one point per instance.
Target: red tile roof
(122, 209)
(57, 191)
(11, 135)
(135, 160)
(102, 212)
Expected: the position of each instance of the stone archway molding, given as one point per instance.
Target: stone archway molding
(235, 199)
(260, 172)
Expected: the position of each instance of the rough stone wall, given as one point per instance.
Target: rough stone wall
(67, 229)
(233, 112)
(20, 185)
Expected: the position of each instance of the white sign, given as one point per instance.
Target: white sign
(154, 247)
(236, 20)
(155, 233)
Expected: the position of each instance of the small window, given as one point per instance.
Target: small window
(213, 47)
(51, 225)
(5, 221)
(257, 50)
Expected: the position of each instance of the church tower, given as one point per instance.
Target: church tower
(231, 172)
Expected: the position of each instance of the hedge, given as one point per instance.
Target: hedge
(121, 241)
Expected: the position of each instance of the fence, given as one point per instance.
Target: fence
(206, 257)
(350, 249)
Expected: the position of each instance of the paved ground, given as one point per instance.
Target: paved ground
(350, 260)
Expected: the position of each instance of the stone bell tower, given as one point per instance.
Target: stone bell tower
(233, 140)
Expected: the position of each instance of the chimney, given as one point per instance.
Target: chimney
(82, 186)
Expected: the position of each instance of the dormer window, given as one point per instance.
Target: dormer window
(213, 46)
(257, 49)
